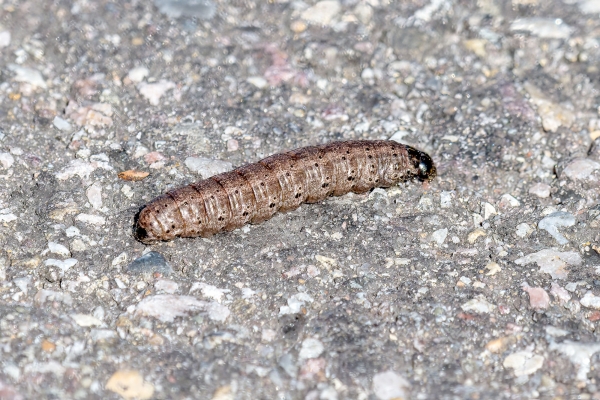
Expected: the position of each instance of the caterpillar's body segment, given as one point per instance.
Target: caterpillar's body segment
(281, 182)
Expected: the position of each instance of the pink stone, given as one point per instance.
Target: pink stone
(153, 157)
(538, 298)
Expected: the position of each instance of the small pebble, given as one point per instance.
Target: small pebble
(94, 195)
(589, 300)
(64, 265)
(446, 199)
(210, 291)
(207, 167)
(538, 297)
(322, 13)
(559, 293)
(311, 348)
(149, 263)
(86, 320)
(478, 305)
(540, 190)
(130, 384)
(137, 74)
(579, 354)
(258, 81)
(295, 304)
(546, 28)
(508, 201)
(4, 39)
(581, 169)
(552, 261)
(390, 385)
(6, 160)
(28, 75)
(522, 230)
(557, 219)
(59, 249)
(91, 219)
(201, 9)
(439, 236)
(62, 124)
(154, 91)
(166, 285)
(523, 362)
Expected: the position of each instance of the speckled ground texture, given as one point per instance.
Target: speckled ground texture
(483, 284)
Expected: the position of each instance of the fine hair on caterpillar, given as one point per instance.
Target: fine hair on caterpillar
(281, 182)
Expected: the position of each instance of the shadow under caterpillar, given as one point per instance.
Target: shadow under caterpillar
(281, 182)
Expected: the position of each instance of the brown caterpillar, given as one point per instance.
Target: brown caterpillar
(281, 182)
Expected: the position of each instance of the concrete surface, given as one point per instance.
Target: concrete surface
(484, 284)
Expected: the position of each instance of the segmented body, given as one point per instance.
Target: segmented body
(281, 182)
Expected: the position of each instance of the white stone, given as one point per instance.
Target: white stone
(4, 39)
(522, 230)
(91, 219)
(137, 74)
(581, 169)
(439, 236)
(546, 28)
(257, 81)
(488, 210)
(478, 305)
(62, 124)
(210, 291)
(120, 259)
(311, 348)
(557, 219)
(509, 201)
(127, 191)
(78, 167)
(523, 362)
(207, 167)
(59, 249)
(446, 199)
(540, 190)
(323, 12)
(28, 75)
(364, 12)
(44, 295)
(552, 261)
(154, 91)
(559, 293)
(166, 286)
(590, 301)
(94, 195)
(86, 320)
(555, 332)
(6, 160)
(217, 312)
(72, 231)
(579, 354)
(295, 304)
(589, 6)
(7, 216)
(167, 307)
(390, 385)
(140, 151)
(64, 265)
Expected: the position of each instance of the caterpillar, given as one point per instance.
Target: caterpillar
(281, 182)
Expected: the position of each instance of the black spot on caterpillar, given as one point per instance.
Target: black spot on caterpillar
(281, 182)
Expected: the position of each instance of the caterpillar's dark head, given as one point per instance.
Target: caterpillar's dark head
(424, 165)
